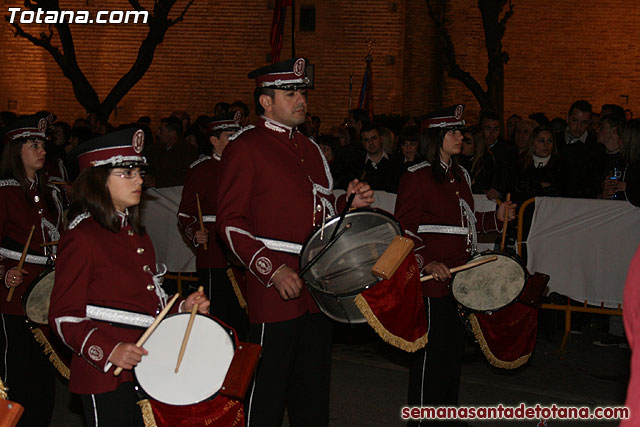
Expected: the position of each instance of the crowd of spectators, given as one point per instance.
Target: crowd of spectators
(585, 155)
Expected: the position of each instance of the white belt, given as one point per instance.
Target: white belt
(208, 218)
(124, 317)
(282, 246)
(31, 259)
(443, 229)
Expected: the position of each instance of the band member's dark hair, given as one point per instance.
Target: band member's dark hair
(431, 141)
(12, 167)
(91, 194)
(256, 97)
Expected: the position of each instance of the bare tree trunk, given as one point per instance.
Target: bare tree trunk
(491, 99)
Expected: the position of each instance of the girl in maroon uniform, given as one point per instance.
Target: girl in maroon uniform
(108, 286)
(435, 206)
(26, 200)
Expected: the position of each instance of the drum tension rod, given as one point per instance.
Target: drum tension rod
(323, 250)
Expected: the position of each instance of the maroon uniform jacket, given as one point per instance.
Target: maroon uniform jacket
(98, 268)
(18, 212)
(202, 178)
(274, 184)
(423, 201)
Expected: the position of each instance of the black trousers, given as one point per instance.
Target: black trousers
(114, 408)
(27, 372)
(224, 303)
(293, 373)
(434, 373)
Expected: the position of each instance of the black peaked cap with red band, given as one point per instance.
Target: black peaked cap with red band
(285, 75)
(223, 122)
(121, 148)
(28, 127)
(450, 117)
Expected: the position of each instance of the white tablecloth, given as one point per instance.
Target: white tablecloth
(585, 246)
(159, 215)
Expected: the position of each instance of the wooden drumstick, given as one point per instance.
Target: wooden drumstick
(53, 243)
(504, 225)
(200, 218)
(185, 340)
(21, 262)
(464, 267)
(152, 328)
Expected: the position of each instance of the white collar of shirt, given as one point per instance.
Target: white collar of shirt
(374, 164)
(570, 139)
(33, 182)
(123, 217)
(540, 162)
(216, 156)
(445, 166)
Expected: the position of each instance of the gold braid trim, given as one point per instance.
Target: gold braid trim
(147, 413)
(477, 331)
(236, 289)
(48, 350)
(3, 391)
(387, 336)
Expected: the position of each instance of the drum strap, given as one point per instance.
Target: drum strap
(123, 317)
(31, 259)
(281, 245)
(443, 229)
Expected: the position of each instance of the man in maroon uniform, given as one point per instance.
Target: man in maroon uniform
(202, 179)
(275, 187)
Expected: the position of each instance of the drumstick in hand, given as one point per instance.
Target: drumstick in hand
(21, 262)
(185, 340)
(200, 219)
(504, 225)
(152, 328)
(463, 267)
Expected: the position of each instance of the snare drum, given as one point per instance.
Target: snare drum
(36, 299)
(204, 366)
(490, 286)
(345, 269)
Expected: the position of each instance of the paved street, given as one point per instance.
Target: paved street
(369, 380)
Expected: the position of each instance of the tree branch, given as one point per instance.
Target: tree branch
(135, 4)
(43, 42)
(181, 16)
(502, 25)
(449, 53)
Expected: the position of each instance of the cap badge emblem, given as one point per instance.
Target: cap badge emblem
(137, 142)
(298, 67)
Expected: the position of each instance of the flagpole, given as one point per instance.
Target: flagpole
(293, 29)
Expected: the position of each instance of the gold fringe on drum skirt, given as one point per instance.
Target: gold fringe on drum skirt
(384, 333)
(477, 332)
(48, 350)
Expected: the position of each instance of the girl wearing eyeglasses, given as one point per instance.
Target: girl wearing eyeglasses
(107, 279)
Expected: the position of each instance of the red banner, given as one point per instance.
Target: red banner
(277, 28)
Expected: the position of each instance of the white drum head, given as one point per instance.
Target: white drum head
(204, 366)
(36, 305)
(489, 286)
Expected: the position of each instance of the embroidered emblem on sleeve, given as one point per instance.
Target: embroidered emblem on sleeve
(263, 265)
(96, 353)
(420, 261)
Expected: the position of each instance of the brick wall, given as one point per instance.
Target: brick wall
(560, 51)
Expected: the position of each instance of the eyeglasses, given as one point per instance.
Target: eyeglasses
(129, 173)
